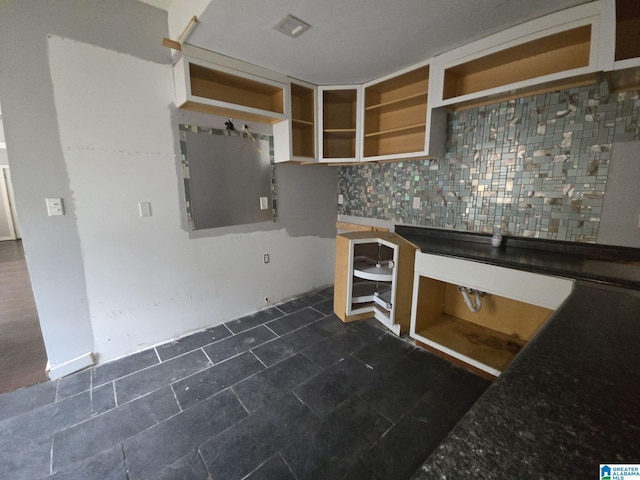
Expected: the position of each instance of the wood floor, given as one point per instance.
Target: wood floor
(22, 354)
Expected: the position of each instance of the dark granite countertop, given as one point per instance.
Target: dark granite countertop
(568, 402)
(619, 266)
(571, 399)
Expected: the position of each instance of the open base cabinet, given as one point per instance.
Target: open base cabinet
(373, 278)
(478, 315)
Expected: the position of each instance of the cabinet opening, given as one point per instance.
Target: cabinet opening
(487, 340)
(225, 87)
(551, 54)
(339, 123)
(372, 279)
(627, 28)
(395, 114)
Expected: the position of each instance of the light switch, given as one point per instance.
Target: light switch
(416, 202)
(264, 203)
(340, 199)
(144, 208)
(55, 207)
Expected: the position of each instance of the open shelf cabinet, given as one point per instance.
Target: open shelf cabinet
(373, 278)
(340, 119)
(544, 56)
(514, 305)
(219, 90)
(295, 138)
(626, 73)
(395, 114)
(558, 51)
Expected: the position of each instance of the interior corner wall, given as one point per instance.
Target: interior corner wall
(52, 245)
(108, 141)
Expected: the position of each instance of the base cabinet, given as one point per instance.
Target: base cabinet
(513, 306)
(373, 278)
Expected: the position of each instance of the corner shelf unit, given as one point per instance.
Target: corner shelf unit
(515, 305)
(295, 138)
(395, 115)
(373, 276)
(339, 113)
(216, 89)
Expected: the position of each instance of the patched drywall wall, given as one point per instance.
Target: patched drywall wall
(90, 118)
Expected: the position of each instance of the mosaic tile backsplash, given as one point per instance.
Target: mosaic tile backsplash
(532, 167)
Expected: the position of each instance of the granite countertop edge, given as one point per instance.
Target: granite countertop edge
(553, 405)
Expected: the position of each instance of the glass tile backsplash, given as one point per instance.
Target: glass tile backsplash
(532, 167)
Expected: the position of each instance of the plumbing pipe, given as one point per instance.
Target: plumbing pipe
(467, 299)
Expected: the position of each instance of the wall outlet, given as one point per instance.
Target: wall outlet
(416, 203)
(55, 207)
(264, 203)
(266, 258)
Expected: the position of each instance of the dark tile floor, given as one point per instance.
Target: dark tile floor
(287, 393)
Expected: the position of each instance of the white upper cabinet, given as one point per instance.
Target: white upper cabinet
(397, 117)
(559, 50)
(222, 90)
(295, 139)
(340, 119)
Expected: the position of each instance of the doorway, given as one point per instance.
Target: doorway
(23, 356)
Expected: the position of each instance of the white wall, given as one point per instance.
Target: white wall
(110, 140)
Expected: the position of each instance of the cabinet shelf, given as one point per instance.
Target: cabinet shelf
(368, 269)
(400, 103)
(302, 123)
(405, 129)
(340, 130)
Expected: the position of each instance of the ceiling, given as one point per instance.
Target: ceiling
(353, 41)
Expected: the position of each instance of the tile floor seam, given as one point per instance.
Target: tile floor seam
(51, 457)
(286, 464)
(157, 355)
(176, 397)
(55, 398)
(265, 325)
(256, 469)
(207, 355)
(206, 467)
(258, 358)
(240, 401)
(124, 459)
(115, 395)
(226, 326)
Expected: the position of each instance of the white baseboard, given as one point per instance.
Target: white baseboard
(67, 368)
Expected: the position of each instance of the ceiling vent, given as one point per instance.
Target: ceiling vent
(292, 26)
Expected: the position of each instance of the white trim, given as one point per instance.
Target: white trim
(5, 203)
(70, 366)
